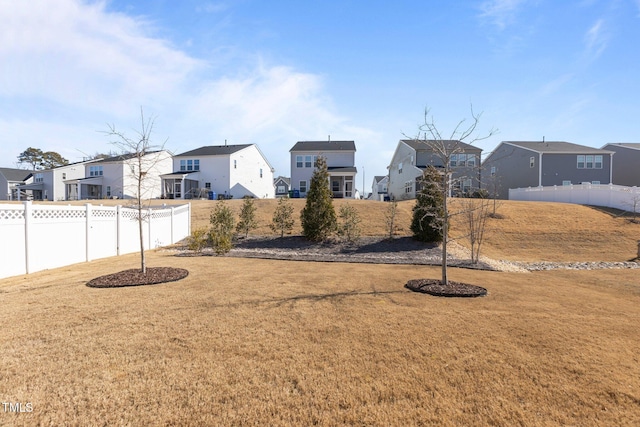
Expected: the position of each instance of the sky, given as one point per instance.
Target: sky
(276, 72)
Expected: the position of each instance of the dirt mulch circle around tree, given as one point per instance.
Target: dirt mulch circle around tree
(452, 289)
(134, 277)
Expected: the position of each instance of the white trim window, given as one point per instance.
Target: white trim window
(566, 183)
(303, 186)
(39, 178)
(400, 167)
(299, 162)
(96, 170)
(189, 165)
(260, 172)
(589, 161)
(408, 187)
(532, 162)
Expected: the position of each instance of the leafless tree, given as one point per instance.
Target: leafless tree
(474, 215)
(444, 147)
(137, 149)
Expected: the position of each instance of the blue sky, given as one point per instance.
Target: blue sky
(273, 73)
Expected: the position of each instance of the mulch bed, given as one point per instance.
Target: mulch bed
(134, 277)
(452, 289)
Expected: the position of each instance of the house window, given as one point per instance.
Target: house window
(39, 178)
(95, 170)
(207, 185)
(108, 191)
(307, 162)
(453, 161)
(471, 160)
(408, 186)
(281, 189)
(493, 170)
(589, 162)
(466, 185)
(462, 160)
(189, 165)
(64, 175)
(260, 172)
(196, 165)
(532, 162)
(299, 163)
(303, 186)
(335, 186)
(235, 164)
(400, 167)
(595, 182)
(565, 183)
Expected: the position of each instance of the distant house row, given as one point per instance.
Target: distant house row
(513, 164)
(222, 171)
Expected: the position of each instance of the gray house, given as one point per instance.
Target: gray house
(626, 168)
(522, 164)
(10, 180)
(340, 157)
(379, 187)
(412, 157)
(282, 186)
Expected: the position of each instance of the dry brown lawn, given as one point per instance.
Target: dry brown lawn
(257, 342)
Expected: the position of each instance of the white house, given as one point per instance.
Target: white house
(379, 187)
(282, 185)
(49, 184)
(340, 156)
(116, 177)
(412, 157)
(222, 171)
(11, 179)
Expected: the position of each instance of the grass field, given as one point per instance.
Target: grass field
(257, 342)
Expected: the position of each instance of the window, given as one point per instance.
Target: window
(108, 191)
(565, 183)
(189, 165)
(493, 170)
(532, 162)
(64, 175)
(207, 185)
(299, 163)
(453, 161)
(95, 170)
(400, 167)
(462, 158)
(303, 186)
(335, 186)
(235, 164)
(595, 182)
(260, 172)
(281, 189)
(466, 185)
(307, 162)
(39, 178)
(471, 160)
(408, 186)
(589, 162)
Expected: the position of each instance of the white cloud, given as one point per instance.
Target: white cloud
(500, 13)
(596, 39)
(73, 67)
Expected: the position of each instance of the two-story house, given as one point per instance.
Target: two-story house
(522, 164)
(379, 187)
(626, 168)
(116, 177)
(222, 170)
(11, 180)
(412, 156)
(340, 156)
(282, 186)
(49, 184)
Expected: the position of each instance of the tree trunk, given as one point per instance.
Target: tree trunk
(445, 228)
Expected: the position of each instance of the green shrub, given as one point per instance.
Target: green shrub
(248, 219)
(318, 216)
(349, 226)
(222, 226)
(282, 220)
(428, 212)
(198, 240)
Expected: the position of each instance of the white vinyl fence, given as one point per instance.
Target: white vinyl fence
(39, 237)
(608, 195)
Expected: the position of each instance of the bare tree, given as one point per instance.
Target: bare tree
(475, 214)
(137, 149)
(390, 217)
(445, 148)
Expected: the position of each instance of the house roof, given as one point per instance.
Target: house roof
(379, 178)
(214, 150)
(15, 174)
(631, 145)
(283, 179)
(423, 144)
(342, 169)
(324, 146)
(558, 147)
(122, 157)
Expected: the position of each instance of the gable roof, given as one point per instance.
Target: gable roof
(630, 145)
(557, 147)
(283, 179)
(214, 150)
(15, 174)
(423, 144)
(324, 146)
(379, 178)
(122, 157)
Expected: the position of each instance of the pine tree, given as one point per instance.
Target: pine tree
(248, 219)
(318, 216)
(222, 225)
(349, 226)
(282, 220)
(428, 211)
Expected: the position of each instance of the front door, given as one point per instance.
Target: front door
(177, 190)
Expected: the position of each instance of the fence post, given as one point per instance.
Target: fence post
(173, 213)
(27, 221)
(87, 234)
(118, 228)
(149, 230)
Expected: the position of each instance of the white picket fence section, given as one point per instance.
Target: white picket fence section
(608, 195)
(40, 237)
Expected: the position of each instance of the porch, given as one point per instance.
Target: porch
(341, 181)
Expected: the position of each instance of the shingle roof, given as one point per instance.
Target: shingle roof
(631, 145)
(122, 157)
(422, 144)
(559, 147)
(214, 150)
(324, 146)
(15, 174)
(285, 179)
(379, 178)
